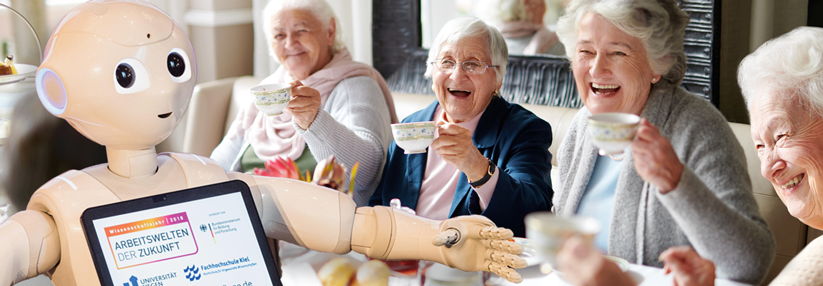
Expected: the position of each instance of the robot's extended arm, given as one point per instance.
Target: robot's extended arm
(29, 246)
(326, 220)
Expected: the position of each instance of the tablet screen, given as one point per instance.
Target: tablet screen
(208, 241)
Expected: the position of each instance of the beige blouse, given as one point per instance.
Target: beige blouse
(806, 268)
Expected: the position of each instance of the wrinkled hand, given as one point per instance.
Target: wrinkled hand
(689, 268)
(581, 264)
(474, 243)
(654, 158)
(304, 104)
(456, 147)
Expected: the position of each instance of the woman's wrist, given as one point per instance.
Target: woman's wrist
(479, 168)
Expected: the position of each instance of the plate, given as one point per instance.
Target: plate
(23, 71)
(622, 263)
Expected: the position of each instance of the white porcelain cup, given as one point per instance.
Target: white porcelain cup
(547, 232)
(271, 99)
(414, 137)
(612, 132)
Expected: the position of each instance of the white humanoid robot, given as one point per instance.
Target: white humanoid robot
(122, 73)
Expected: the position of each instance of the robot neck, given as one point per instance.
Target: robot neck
(132, 163)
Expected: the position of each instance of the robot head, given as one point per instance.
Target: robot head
(121, 72)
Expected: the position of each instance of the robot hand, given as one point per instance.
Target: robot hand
(474, 243)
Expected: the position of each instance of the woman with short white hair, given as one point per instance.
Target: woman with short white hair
(339, 107)
(684, 180)
(521, 23)
(491, 157)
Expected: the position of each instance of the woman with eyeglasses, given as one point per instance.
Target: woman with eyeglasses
(491, 157)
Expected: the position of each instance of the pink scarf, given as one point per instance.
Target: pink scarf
(542, 40)
(275, 136)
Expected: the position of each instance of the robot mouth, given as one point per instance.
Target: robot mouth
(164, 115)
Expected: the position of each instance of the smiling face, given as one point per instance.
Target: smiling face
(300, 42)
(788, 141)
(463, 96)
(610, 68)
(117, 89)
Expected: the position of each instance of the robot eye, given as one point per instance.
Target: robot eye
(124, 75)
(130, 76)
(179, 65)
(176, 64)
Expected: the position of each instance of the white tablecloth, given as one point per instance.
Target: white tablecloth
(300, 271)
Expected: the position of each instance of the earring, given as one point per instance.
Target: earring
(654, 80)
(495, 93)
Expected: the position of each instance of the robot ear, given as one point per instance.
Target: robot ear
(51, 91)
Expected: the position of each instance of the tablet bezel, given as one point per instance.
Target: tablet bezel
(167, 199)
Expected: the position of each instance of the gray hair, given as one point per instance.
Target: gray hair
(469, 27)
(659, 24)
(319, 8)
(791, 64)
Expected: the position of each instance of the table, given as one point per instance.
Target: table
(301, 271)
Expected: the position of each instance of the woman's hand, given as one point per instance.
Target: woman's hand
(689, 268)
(457, 148)
(304, 104)
(654, 158)
(582, 265)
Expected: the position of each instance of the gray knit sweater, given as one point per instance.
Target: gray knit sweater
(354, 125)
(712, 209)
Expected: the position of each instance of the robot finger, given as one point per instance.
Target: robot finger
(492, 232)
(504, 245)
(505, 272)
(504, 258)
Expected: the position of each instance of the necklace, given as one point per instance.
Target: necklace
(617, 158)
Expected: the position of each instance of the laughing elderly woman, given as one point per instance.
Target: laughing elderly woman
(684, 180)
(339, 107)
(782, 83)
(491, 157)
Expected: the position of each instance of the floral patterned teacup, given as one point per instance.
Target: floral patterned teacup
(612, 132)
(271, 99)
(414, 137)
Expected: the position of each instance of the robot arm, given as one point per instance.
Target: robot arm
(326, 220)
(29, 246)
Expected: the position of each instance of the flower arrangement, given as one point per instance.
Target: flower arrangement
(329, 173)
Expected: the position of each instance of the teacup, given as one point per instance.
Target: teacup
(414, 137)
(547, 232)
(612, 132)
(271, 99)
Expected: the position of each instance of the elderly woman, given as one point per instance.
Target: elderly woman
(491, 156)
(339, 107)
(521, 23)
(782, 83)
(684, 180)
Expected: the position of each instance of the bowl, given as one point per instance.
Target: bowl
(414, 137)
(612, 132)
(271, 99)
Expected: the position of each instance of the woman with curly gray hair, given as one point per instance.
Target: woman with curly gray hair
(683, 181)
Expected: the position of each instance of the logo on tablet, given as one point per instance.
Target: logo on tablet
(191, 273)
(133, 281)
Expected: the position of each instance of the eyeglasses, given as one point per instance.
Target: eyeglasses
(470, 67)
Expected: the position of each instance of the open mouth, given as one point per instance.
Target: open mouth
(604, 89)
(794, 181)
(459, 92)
(164, 115)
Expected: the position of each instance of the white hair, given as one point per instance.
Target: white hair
(469, 27)
(501, 11)
(791, 65)
(319, 8)
(659, 24)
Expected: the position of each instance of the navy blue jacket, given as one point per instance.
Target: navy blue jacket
(514, 138)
